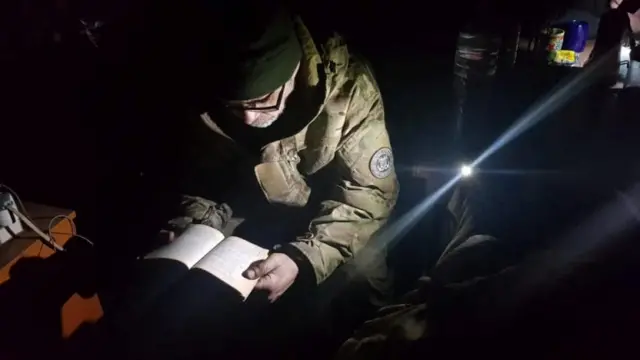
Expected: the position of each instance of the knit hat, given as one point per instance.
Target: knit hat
(256, 54)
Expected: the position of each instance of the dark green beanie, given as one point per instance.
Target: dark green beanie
(258, 57)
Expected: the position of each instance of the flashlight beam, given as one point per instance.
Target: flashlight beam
(395, 231)
(559, 97)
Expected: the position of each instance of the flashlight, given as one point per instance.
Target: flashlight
(466, 171)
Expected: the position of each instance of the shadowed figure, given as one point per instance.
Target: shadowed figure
(33, 297)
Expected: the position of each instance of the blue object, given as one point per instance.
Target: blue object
(576, 35)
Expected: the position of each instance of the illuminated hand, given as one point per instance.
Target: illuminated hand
(275, 274)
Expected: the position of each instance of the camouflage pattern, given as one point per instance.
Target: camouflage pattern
(198, 210)
(469, 265)
(348, 129)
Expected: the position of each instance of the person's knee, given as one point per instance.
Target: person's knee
(476, 256)
(369, 279)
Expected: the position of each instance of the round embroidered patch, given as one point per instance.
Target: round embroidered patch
(381, 163)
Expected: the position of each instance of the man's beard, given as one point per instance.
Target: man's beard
(264, 120)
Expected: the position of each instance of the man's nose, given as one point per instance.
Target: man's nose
(250, 116)
(247, 116)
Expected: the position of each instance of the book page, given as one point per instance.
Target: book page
(230, 259)
(191, 246)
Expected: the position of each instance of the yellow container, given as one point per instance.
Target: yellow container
(566, 57)
(555, 40)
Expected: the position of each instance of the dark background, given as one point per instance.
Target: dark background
(62, 98)
(77, 120)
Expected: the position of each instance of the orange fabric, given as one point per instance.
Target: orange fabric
(77, 310)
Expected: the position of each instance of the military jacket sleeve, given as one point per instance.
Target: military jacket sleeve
(366, 189)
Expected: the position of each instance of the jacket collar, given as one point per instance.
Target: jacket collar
(323, 68)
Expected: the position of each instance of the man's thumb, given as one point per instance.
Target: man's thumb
(260, 269)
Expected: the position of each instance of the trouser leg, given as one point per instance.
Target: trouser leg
(470, 252)
(311, 322)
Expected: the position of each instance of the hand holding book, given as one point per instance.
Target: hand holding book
(236, 262)
(274, 275)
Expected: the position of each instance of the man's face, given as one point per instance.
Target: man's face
(615, 3)
(264, 110)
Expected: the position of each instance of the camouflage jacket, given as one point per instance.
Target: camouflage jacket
(347, 132)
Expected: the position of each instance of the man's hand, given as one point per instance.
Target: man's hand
(275, 274)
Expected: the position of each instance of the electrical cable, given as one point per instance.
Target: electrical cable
(16, 198)
(35, 229)
(74, 233)
(21, 213)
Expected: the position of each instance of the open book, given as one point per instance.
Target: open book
(205, 248)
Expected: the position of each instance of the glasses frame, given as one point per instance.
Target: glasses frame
(240, 106)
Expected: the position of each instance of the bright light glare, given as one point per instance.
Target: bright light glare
(466, 170)
(625, 52)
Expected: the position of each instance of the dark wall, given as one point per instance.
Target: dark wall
(60, 98)
(64, 99)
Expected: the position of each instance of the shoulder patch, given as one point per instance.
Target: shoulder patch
(381, 163)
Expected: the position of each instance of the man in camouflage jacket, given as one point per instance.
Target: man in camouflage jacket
(329, 143)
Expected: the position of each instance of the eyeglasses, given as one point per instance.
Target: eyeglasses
(252, 107)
